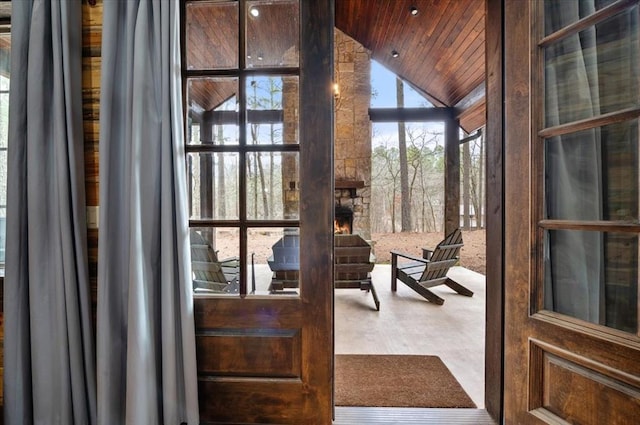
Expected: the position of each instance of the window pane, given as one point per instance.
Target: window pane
(273, 260)
(593, 276)
(593, 174)
(593, 72)
(212, 35)
(213, 185)
(273, 34)
(213, 111)
(383, 94)
(273, 186)
(560, 13)
(272, 110)
(215, 261)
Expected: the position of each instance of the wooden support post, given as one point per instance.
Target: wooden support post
(451, 175)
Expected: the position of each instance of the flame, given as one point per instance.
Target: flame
(341, 228)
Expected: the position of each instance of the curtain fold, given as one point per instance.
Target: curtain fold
(574, 272)
(49, 363)
(146, 342)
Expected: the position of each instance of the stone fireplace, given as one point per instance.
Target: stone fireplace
(343, 223)
(352, 154)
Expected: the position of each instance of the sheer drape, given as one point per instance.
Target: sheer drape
(592, 174)
(49, 366)
(573, 169)
(146, 342)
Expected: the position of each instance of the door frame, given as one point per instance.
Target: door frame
(296, 385)
(495, 219)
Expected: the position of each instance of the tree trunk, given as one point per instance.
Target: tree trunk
(466, 170)
(263, 187)
(404, 171)
(393, 210)
(481, 202)
(222, 195)
(207, 182)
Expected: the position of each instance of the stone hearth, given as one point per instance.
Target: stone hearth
(352, 154)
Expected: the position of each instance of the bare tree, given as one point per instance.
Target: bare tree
(477, 180)
(404, 173)
(466, 181)
(386, 160)
(221, 196)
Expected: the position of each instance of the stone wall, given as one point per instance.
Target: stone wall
(353, 129)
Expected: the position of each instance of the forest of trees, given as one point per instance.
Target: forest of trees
(425, 181)
(214, 193)
(407, 179)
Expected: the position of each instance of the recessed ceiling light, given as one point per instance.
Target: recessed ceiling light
(260, 57)
(395, 53)
(413, 10)
(254, 12)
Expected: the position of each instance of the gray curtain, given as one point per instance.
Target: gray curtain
(574, 267)
(145, 337)
(592, 174)
(49, 366)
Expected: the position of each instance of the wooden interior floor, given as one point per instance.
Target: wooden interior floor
(408, 324)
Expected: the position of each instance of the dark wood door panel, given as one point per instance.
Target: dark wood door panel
(611, 349)
(577, 389)
(558, 368)
(249, 352)
(271, 401)
(213, 313)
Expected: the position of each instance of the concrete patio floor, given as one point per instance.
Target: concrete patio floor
(409, 324)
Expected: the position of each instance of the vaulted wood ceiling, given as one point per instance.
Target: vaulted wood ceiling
(440, 49)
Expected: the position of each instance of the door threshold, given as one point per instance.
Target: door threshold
(347, 415)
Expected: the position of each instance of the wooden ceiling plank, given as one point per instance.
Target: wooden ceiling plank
(416, 70)
(430, 49)
(441, 49)
(458, 46)
(446, 25)
(467, 75)
(469, 68)
(399, 17)
(454, 44)
(381, 26)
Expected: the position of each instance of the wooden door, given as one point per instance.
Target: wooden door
(572, 348)
(259, 111)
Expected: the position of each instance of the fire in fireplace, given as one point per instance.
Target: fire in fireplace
(343, 222)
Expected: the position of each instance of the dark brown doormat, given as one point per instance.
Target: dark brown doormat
(396, 381)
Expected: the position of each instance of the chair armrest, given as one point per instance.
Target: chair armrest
(231, 260)
(409, 257)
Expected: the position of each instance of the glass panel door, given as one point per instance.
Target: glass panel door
(590, 162)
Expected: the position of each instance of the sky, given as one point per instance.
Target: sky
(383, 83)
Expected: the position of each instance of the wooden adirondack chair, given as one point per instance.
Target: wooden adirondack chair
(431, 270)
(285, 263)
(352, 257)
(211, 275)
(353, 264)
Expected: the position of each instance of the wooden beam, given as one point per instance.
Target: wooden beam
(451, 175)
(268, 116)
(410, 114)
(317, 203)
(476, 95)
(474, 136)
(494, 328)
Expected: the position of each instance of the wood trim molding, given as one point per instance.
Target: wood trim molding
(494, 137)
